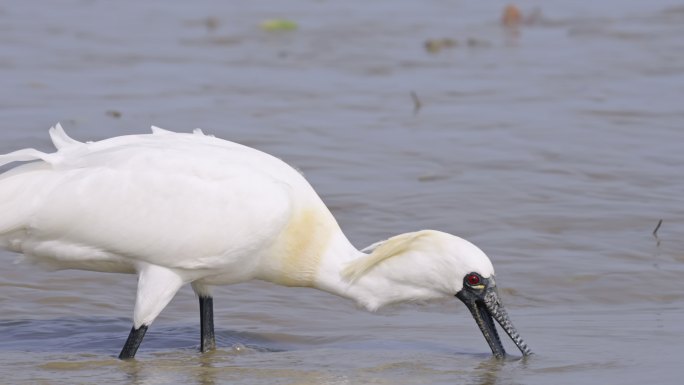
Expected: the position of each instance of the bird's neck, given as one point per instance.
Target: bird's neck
(330, 275)
(310, 238)
(312, 251)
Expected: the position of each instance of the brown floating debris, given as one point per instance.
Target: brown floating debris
(114, 113)
(416, 102)
(655, 231)
(211, 23)
(436, 45)
(477, 43)
(432, 177)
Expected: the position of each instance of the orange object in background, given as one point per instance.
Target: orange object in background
(511, 17)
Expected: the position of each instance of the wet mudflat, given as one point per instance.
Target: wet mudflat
(553, 142)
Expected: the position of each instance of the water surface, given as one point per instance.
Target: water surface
(556, 147)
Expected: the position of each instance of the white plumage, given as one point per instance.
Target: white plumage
(189, 208)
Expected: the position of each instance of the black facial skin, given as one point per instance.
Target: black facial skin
(481, 297)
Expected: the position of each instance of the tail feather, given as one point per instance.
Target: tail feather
(160, 131)
(60, 138)
(21, 190)
(26, 155)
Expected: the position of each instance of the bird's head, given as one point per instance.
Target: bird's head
(429, 264)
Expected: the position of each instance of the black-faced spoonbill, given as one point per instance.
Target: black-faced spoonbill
(189, 208)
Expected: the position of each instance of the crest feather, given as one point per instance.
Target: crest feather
(381, 251)
(160, 131)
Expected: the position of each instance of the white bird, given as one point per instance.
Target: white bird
(189, 208)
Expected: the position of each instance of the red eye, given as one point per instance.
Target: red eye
(473, 279)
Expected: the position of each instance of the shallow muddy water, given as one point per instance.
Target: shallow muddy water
(555, 146)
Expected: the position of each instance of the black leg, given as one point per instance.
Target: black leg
(207, 341)
(132, 343)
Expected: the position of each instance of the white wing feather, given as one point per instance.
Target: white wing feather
(177, 200)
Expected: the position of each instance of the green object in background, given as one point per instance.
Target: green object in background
(275, 25)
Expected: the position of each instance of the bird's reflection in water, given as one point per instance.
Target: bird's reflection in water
(207, 369)
(132, 370)
(199, 370)
(488, 372)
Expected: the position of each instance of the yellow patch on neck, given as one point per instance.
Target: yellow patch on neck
(301, 245)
